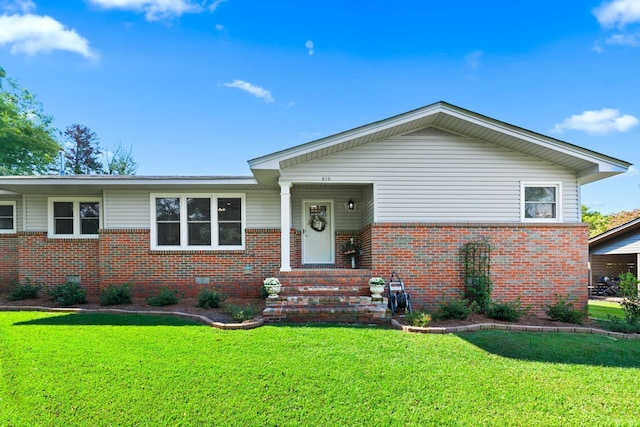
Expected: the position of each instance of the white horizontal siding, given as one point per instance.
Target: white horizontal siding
(126, 209)
(344, 219)
(36, 212)
(629, 244)
(441, 178)
(263, 208)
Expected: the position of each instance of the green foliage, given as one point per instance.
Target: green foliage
(209, 298)
(631, 308)
(121, 162)
(116, 295)
(477, 260)
(628, 285)
(598, 223)
(421, 319)
(27, 290)
(615, 324)
(454, 309)
(27, 142)
(83, 151)
(70, 293)
(263, 292)
(564, 311)
(507, 311)
(165, 296)
(241, 313)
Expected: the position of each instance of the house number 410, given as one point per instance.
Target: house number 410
(326, 178)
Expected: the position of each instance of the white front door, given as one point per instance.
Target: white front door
(317, 233)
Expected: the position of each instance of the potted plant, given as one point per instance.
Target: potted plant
(376, 286)
(272, 285)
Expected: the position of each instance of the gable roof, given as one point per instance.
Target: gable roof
(589, 165)
(628, 228)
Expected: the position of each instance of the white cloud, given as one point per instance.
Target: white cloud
(632, 40)
(473, 59)
(17, 6)
(157, 10)
(219, 27)
(309, 45)
(256, 91)
(33, 34)
(598, 122)
(618, 13)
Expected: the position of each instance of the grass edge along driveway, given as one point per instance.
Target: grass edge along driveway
(100, 369)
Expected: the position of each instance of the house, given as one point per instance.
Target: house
(409, 190)
(615, 251)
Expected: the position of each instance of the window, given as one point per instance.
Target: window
(540, 202)
(7, 217)
(74, 217)
(197, 222)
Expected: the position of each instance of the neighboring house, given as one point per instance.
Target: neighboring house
(410, 190)
(615, 251)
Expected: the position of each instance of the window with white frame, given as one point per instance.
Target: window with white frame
(197, 221)
(540, 202)
(7, 217)
(77, 217)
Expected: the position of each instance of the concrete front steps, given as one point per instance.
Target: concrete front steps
(325, 296)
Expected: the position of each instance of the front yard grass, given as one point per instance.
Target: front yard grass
(101, 369)
(603, 310)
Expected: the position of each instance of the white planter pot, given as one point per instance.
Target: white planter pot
(376, 291)
(273, 290)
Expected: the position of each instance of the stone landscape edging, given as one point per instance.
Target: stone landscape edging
(196, 317)
(507, 327)
(397, 325)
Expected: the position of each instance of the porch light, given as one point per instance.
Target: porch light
(351, 205)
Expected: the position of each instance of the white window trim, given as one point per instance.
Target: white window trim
(557, 185)
(15, 219)
(183, 221)
(76, 217)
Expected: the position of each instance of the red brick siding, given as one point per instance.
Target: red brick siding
(126, 257)
(533, 262)
(50, 261)
(8, 259)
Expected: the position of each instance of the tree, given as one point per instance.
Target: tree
(598, 223)
(121, 162)
(83, 151)
(623, 217)
(27, 142)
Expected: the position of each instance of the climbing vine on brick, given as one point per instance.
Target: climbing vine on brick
(477, 275)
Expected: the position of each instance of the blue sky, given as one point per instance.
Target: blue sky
(200, 87)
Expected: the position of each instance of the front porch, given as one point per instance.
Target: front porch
(325, 295)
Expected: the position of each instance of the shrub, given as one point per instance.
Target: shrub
(564, 311)
(628, 285)
(115, 295)
(165, 296)
(27, 290)
(454, 309)
(418, 318)
(240, 313)
(615, 324)
(209, 298)
(631, 308)
(507, 311)
(69, 293)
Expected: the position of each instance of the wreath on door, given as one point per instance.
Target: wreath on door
(318, 223)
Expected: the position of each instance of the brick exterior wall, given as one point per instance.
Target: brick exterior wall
(8, 260)
(125, 257)
(531, 261)
(50, 261)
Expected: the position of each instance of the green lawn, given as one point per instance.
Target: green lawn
(603, 309)
(98, 369)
